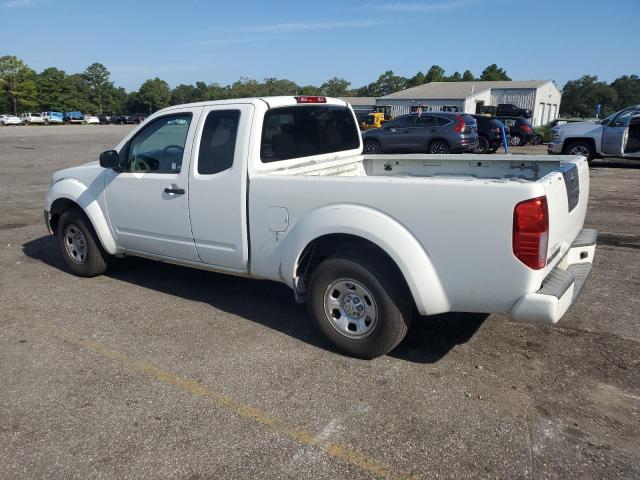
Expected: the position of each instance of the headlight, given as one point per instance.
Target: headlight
(555, 134)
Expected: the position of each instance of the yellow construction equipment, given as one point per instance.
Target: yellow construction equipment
(373, 120)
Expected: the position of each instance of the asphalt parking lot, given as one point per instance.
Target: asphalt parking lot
(159, 371)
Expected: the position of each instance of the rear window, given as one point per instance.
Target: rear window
(302, 131)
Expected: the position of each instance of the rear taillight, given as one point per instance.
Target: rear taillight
(460, 125)
(310, 99)
(531, 232)
(526, 128)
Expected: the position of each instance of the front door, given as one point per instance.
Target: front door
(614, 134)
(218, 186)
(147, 202)
(399, 134)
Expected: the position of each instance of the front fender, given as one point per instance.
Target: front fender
(380, 229)
(87, 199)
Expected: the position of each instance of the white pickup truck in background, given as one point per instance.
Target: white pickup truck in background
(277, 188)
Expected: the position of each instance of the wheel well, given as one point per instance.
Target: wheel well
(57, 208)
(573, 140)
(340, 243)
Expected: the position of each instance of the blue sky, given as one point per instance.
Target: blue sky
(183, 41)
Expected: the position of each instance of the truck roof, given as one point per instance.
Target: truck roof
(280, 101)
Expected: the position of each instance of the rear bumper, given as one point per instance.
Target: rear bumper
(562, 287)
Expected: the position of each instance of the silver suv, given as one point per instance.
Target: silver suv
(431, 132)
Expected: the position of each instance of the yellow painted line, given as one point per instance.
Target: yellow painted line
(370, 465)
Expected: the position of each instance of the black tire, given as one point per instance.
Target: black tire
(580, 147)
(371, 147)
(516, 140)
(94, 260)
(536, 140)
(438, 147)
(386, 291)
(494, 150)
(483, 145)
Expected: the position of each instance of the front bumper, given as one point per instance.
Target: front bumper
(554, 148)
(562, 287)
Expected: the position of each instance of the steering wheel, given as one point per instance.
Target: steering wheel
(140, 164)
(173, 147)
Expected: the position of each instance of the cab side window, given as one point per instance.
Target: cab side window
(159, 147)
(218, 142)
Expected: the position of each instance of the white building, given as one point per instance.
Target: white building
(540, 96)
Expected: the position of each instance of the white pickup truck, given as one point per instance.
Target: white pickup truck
(277, 188)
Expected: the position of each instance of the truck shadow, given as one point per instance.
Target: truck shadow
(264, 302)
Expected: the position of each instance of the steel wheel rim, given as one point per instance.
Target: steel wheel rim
(350, 308)
(579, 150)
(371, 147)
(439, 148)
(515, 140)
(75, 244)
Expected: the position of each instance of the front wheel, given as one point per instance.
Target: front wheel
(79, 245)
(536, 140)
(359, 305)
(580, 148)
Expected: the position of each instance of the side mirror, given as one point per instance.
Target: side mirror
(110, 159)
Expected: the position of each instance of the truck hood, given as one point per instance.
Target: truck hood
(579, 128)
(85, 174)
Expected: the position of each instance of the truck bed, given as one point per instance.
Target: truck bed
(458, 207)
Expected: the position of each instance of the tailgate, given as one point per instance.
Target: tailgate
(567, 191)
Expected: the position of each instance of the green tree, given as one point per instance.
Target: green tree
(55, 91)
(387, 83)
(455, 77)
(417, 79)
(183, 94)
(627, 89)
(467, 76)
(99, 83)
(155, 94)
(276, 86)
(493, 72)
(18, 83)
(579, 97)
(309, 90)
(435, 74)
(335, 87)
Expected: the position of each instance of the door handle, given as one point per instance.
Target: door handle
(175, 191)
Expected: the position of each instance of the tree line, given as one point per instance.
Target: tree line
(92, 91)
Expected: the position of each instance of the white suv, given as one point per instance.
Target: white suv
(9, 120)
(29, 118)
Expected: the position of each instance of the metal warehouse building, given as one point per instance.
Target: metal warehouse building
(541, 96)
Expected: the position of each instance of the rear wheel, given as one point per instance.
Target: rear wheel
(516, 140)
(79, 244)
(536, 140)
(483, 145)
(580, 148)
(371, 147)
(438, 147)
(359, 305)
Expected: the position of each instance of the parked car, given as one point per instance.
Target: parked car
(73, 117)
(91, 120)
(29, 118)
(364, 240)
(139, 117)
(490, 134)
(520, 129)
(52, 117)
(9, 120)
(124, 119)
(618, 135)
(106, 118)
(432, 132)
(544, 131)
(511, 110)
